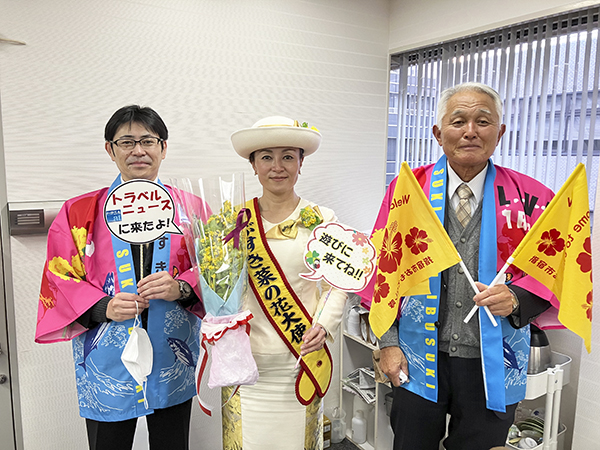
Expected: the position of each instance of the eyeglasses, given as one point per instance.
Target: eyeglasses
(129, 144)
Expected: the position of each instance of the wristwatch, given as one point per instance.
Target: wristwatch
(185, 290)
(515, 301)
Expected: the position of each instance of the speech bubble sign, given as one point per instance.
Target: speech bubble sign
(342, 256)
(140, 211)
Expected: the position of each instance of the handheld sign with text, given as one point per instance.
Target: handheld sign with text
(140, 211)
(342, 256)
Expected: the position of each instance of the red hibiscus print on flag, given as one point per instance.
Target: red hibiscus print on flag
(588, 305)
(551, 243)
(392, 303)
(509, 239)
(417, 241)
(382, 289)
(585, 258)
(391, 252)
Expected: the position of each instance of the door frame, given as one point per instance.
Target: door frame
(11, 430)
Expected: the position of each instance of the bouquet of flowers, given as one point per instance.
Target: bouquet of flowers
(222, 261)
(213, 216)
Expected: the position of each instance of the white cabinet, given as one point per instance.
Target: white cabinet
(355, 353)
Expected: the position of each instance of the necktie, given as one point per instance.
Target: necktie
(463, 211)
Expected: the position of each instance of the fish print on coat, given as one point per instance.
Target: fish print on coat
(182, 351)
(109, 284)
(92, 338)
(510, 359)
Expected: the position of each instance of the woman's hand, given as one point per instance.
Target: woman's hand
(314, 339)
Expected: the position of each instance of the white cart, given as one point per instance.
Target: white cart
(549, 383)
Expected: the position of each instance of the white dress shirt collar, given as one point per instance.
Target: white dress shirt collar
(476, 186)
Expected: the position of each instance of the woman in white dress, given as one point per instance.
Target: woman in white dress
(284, 409)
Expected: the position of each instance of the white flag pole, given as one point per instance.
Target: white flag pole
(474, 286)
(494, 282)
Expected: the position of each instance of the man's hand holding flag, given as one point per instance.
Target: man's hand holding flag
(557, 252)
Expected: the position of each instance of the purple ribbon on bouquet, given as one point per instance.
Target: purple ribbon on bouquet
(240, 224)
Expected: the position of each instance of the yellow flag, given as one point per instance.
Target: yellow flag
(413, 247)
(557, 252)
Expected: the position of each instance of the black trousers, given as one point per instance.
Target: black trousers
(420, 424)
(168, 428)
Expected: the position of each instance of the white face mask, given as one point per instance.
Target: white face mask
(137, 355)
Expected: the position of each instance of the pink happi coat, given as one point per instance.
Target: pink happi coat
(80, 270)
(79, 257)
(519, 201)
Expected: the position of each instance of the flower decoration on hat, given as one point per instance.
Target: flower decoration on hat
(305, 125)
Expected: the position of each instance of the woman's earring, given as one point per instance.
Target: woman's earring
(299, 172)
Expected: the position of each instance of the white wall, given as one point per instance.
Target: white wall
(587, 415)
(209, 67)
(416, 24)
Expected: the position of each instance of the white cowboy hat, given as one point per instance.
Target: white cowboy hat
(276, 131)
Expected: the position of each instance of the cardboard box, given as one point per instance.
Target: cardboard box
(326, 432)
(326, 424)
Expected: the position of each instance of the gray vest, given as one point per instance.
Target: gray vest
(456, 337)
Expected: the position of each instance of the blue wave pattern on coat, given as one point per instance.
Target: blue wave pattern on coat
(108, 392)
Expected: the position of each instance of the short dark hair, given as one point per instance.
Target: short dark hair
(145, 116)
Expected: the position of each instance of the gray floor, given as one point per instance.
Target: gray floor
(344, 445)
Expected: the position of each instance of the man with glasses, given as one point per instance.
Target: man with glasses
(83, 298)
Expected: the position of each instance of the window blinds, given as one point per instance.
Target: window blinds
(547, 73)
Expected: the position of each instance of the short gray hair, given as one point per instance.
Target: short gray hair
(471, 86)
